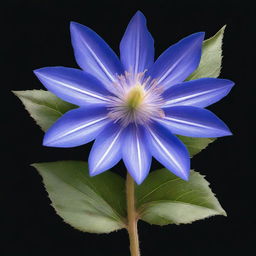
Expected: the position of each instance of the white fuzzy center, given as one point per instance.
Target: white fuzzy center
(137, 100)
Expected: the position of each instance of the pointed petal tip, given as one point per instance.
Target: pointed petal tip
(139, 182)
(37, 71)
(138, 176)
(94, 171)
(199, 35)
(95, 168)
(224, 131)
(47, 143)
(228, 133)
(228, 82)
(137, 179)
(184, 174)
(139, 14)
(74, 26)
(231, 83)
(184, 170)
(186, 177)
(40, 71)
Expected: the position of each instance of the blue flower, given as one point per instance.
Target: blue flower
(133, 107)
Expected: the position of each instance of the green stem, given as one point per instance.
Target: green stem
(132, 217)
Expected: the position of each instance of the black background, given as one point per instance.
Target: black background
(36, 34)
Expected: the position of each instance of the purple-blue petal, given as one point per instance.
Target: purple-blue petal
(106, 151)
(169, 150)
(193, 122)
(76, 127)
(94, 55)
(73, 85)
(136, 154)
(176, 63)
(198, 93)
(137, 46)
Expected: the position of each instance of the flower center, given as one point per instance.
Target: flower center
(135, 97)
(136, 100)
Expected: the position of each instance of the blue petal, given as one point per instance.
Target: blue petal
(194, 122)
(169, 150)
(73, 85)
(94, 55)
(198, 93)
(136, 155)
(137, 45)
(178, 61)
(106, 150)
(76, 127)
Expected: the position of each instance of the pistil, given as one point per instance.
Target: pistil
(135, 97)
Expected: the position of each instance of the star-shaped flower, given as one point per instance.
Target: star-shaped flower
(134, 107)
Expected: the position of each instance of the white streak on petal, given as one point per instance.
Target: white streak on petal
(107, 151)
(77, 89)
(99, 62)
(189, 123)
(166, 151)
(191, 96)
(78, 129)
(139, 154)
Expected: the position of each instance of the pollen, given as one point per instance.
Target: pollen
(135, 97)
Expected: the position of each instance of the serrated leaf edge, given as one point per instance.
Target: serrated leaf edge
(215, 213)
(121, 223)
(142, 212)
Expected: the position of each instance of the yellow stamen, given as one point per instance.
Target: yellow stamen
(135, 96)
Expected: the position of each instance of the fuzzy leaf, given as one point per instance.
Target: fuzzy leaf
(163, 199)
(195, 145)
(90, 204)
(210, 64)
(44, 107)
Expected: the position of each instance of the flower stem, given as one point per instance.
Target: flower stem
(132, 217)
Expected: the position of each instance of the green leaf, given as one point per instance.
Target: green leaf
(195, 145)
(163, 199)
(210, 64)
(90, 204)
(43, 106)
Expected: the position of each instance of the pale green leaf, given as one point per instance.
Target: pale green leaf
(195, 145)
(210, 63)
(163, 199)
(43, 106)
(90, 204)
